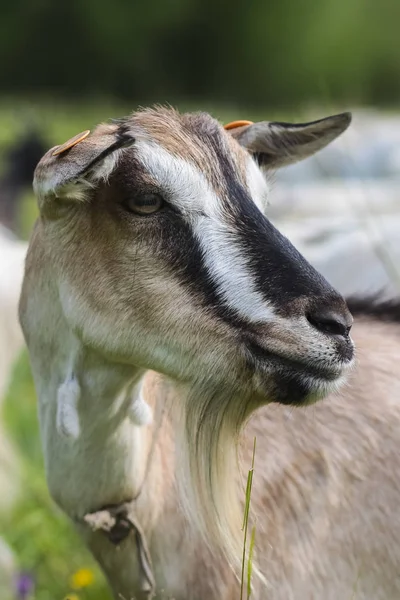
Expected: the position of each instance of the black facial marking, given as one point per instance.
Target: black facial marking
(187, 259)
(292, 390)
(281, 273)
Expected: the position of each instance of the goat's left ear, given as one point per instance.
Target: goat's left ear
(275, 145)
(78, 165)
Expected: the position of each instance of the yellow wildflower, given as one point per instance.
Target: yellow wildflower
(71, 597)
(82, 578)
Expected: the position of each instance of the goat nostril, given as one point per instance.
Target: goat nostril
(331, 323)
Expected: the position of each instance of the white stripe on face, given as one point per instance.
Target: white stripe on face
(228, 266)
(257, 185)
(224, 257)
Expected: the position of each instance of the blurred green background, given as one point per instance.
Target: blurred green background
(64, 66)
(254, 53)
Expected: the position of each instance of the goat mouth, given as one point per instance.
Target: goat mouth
(279, 363)
(294, 382)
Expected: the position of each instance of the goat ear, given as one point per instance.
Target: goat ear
(71, 169)
(275, 145)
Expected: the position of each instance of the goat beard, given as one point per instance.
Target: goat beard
(212, 488)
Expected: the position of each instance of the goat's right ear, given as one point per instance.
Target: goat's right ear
(276, 145)
(68, 171)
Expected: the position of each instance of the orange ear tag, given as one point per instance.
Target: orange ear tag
(79, 137)
(234, 124)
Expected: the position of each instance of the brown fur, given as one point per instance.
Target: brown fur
(183, 139)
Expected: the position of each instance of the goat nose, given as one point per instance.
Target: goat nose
(331, 322)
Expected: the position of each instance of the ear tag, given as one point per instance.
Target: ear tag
(79, 137)
(234, 124)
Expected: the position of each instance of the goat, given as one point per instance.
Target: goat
(154, 281)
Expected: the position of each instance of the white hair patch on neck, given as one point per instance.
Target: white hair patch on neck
(140, 412)
(67, 421)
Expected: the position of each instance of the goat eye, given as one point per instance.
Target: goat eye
(145, 204)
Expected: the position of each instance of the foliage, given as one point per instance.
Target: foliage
(262, 52)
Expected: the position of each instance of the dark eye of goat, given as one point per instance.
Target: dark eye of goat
(145, 204)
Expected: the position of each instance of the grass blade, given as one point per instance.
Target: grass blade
(245, 526)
